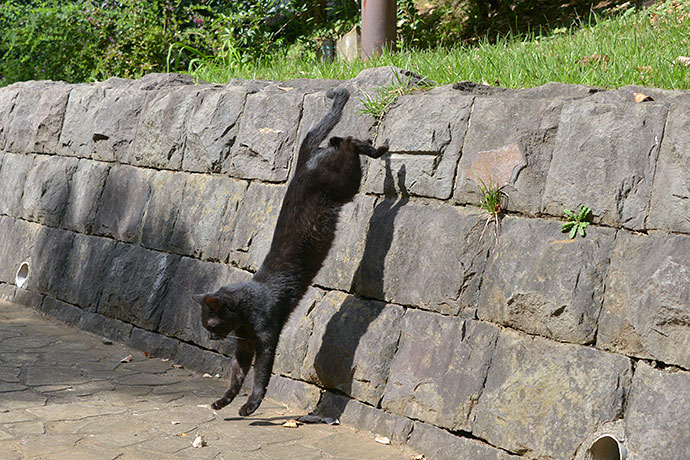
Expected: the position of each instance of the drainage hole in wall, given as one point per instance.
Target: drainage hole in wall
(22, 274)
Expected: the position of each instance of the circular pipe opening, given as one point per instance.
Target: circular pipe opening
(606, 447)
(22, 274)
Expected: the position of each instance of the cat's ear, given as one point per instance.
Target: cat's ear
(207, 300)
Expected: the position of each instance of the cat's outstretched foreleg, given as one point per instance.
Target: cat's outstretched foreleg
(262, 375)
(241, 363)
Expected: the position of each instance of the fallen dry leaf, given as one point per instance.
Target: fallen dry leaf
(177, 366)
(146, 354)
(207, 375)
(175, 422)
(419, 457)
(594, 59)
(382, 440)
(291, 424)
(183, 435)
(198, 442)
(641, 97)
(682, 60)
(127, 359)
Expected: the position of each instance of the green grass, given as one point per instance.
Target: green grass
(638, 47)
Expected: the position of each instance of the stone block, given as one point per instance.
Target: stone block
(438, 444)
(86, 266)
(28, 298)
(76, 138)
(160, 135)
(121, 209)
(509, 143)
(61, 311)
(113, 135)
(203, 361)
(201, 231)
(50, 248)
(105, 327)
(15, 168)
(294, 338)
(294, 394)
(212, 128)
(266, 136)
(656, 417)
(135, 284)
(425, 133)
(181, 316)
(364, 417)
(85, 190)
(352, 344)
(430, 256)
(670, 205)
(47, 189)
(157, 345)
(256, 219)
(345, 256)
(554, 90)
(605, 157)
(18, 238)
(540, 282)
(541, 398)
(37, 117)
(439, 369)
(162, 210)
(646, 311)
(8, 99)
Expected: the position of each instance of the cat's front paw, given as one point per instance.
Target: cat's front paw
(218, 405)
(249, 408)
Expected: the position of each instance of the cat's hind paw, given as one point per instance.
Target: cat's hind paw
(249, 408)
(218, 405)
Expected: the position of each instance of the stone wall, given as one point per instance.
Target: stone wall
(126, 196)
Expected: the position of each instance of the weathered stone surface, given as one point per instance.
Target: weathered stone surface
(37, 117)
(439, 369)
(76, 137)
(626, 95)
(105, 327)
(406, 248)
(605, 157)
(256, 219)
(155, 344)
(509, 143)
(51, 247)
(294, 394)
(160, 135)
(8, 99)
(212, 128)
(135, 285)
(180, 316)
(167, 190)
(197, 228)
(113, 136)
(294, 338)
(352, 344)
(343, 259)
(351, 412)
(127, 190)
(47, 188)
(646, 310)
(554, 90)
(61, 311)
(18, 238)
(15, 168)
(423, 159)
(656, 418)
(204, 361)
(86, 266)
(85, 190)
(538, 281)
(266, 137)
(377, 77)
(541, 398)
(670, 205)
(438, 444)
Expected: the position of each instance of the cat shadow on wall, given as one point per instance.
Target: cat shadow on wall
(335, 363)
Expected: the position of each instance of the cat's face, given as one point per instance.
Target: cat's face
(219, 313)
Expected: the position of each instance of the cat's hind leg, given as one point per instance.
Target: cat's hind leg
(262, 374)
(242, 361)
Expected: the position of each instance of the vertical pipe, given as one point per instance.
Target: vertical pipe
(378, 26)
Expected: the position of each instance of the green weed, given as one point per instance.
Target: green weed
(577, 222)
(492, 201)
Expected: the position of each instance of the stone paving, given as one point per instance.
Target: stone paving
(64, 394)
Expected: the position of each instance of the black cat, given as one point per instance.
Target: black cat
(324, 180)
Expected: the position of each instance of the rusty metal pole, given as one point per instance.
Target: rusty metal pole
(378, 26)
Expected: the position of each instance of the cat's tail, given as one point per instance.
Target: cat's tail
(318, 133)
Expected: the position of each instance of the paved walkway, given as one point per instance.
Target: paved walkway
(65, 395)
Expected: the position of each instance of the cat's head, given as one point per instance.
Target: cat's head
(220, 311)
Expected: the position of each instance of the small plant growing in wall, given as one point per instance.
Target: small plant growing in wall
(386, 95)
(577, 221)
(491, 203)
